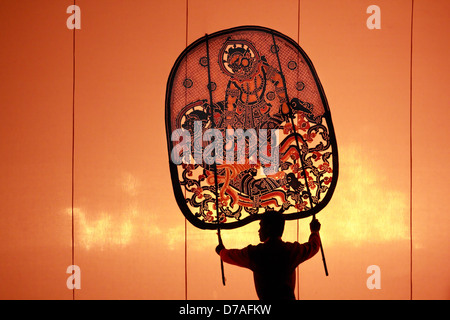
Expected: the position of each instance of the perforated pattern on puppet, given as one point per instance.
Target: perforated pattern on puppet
(260, 79)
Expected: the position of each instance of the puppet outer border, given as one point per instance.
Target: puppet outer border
(181, 201)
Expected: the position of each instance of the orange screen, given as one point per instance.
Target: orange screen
(83, 136)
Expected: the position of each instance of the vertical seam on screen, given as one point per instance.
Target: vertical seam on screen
(185, 223)
(73, 152)
(411, 157)
(298, 223)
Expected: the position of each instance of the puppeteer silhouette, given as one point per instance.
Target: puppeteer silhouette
(273, 261)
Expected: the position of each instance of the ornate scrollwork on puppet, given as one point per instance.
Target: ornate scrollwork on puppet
(258, 88)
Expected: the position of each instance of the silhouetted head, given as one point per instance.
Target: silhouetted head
(271, 225)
